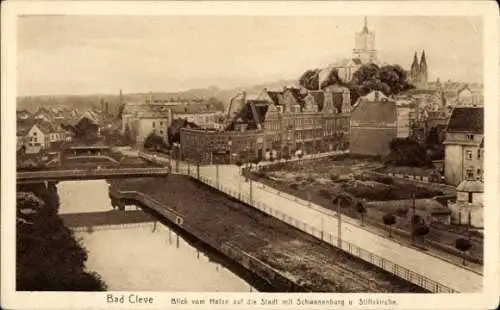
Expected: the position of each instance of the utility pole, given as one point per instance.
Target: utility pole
(339, 226)
(413, 218)
(217, 174)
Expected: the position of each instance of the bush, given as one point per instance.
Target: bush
(310, 179)
(334, 177)
(407, 152)
(294, 186)
(48, 257)
(324, 193)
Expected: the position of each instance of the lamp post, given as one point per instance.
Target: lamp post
(337, 202)
(229, 146)
(198, 165)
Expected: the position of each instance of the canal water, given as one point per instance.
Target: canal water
(151, 257)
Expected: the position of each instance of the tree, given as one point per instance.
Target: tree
(389, 79)
(407, 152)
(361, 209)
(463, 245)
(389, 220)
(420, 230)
(154, 141)
(310, 79)
(332, 79)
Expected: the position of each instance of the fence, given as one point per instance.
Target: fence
(331, 239)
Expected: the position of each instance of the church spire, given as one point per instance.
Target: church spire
(415, 64)
(423, 69)
(365, 27)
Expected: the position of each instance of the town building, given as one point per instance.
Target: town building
(283, 123)
(23, 114)
(464, 146)
(466, 97)
(154, 116)
(419, 71)
(468, 207)
(374, 123)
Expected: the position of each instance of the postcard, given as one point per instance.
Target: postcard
(250, 155)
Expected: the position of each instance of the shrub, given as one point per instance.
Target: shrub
(324, 193)
(294, 186)
(463, 245)
(389, 220)
(299, 178)
(334, 177)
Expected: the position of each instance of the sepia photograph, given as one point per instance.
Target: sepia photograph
(250, 153)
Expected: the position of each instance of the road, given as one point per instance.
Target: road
(448, 274)
(429, 266)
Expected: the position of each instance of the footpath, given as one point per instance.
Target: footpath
(413, 265)
(287, 258)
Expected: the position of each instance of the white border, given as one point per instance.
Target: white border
(10, 10)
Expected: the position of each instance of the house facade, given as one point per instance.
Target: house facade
(468, 207)
(464, 146)
(282, 123)
(373, 125)
(468, 98)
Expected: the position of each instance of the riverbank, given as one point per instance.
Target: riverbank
(314, 264)
(49, 257)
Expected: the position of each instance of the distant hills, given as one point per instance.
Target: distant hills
(32, 103)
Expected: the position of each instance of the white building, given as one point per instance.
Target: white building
(468, 207)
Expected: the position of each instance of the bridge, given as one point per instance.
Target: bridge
(89, 174)
(418, 267)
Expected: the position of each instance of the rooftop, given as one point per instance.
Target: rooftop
(473, 186)
(467, 119)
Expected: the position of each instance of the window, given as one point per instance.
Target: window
(469, 155)
(161, 132)
(469, 198)
(479, 172)
(478, 154)
(35, 133)
(154, 124)
(469, 174)
(161, 123)
(469, 137)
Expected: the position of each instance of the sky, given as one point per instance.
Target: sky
(102, 54)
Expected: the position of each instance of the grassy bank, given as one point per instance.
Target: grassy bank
(48, 257)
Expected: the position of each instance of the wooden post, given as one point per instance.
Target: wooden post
(339, 226)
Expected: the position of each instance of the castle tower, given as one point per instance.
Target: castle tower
(364, 45)
(423, 71)
(415, 71)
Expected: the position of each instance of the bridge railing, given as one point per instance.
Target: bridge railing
(89, 172)
(383, 263)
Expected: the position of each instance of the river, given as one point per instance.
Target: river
(150, 257)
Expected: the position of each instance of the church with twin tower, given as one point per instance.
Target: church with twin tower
(364, 52)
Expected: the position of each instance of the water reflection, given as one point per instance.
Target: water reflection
(150, 257)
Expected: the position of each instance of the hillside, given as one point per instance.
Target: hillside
(32, 103)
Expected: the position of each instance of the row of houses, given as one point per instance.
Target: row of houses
(35, 134)
(154, 116)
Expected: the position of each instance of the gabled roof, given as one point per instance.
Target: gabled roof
(319, 98)
(374, 111)
(472, 186)
(467, 120)
(275, 96)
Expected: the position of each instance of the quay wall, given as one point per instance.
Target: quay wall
(273, 277)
